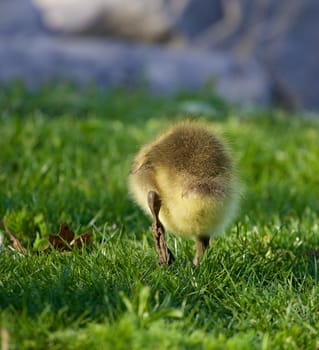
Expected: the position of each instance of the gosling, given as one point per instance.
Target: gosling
(185, 179)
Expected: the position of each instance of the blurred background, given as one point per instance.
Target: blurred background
(261, 52)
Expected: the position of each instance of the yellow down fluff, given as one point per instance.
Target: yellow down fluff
(192, 171)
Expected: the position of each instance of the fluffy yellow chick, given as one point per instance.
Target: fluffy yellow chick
(186, 181)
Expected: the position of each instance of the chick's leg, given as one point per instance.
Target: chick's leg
(201, 245)
(164, 254)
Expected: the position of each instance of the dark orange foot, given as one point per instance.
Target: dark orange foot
(165, 255)
(201, 245)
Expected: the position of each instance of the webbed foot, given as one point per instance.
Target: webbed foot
(165, 255)
(201, 245)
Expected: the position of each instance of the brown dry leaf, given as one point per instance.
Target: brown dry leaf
(82, 240)
(65, 240)
(17, 245)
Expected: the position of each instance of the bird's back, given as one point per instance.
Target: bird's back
(196, 155)
(192, 171)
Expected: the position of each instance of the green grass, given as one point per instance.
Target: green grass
(64, 157)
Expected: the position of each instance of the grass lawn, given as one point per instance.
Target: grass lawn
(65, 156)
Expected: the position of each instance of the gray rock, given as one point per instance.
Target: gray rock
(293, 60)
(282, 35)
(146, 20)
(237, 81)
(139, 19)
(197, 16)
(108, 64)
(20, 17)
